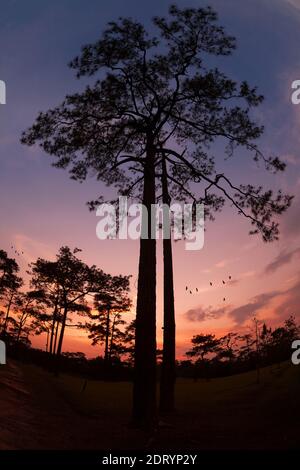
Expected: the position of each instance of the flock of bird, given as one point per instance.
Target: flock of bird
(186, 288)
(16, 251)
(211, 284)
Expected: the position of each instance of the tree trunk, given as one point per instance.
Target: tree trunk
(62, 332)
(111, 344)
(47, 342)
(20, 327)
(53, 327)
(168, 370)
(144, 388)
(7, 312)
(257, 352)
(106, 351)
(56, 337)
(61, 338)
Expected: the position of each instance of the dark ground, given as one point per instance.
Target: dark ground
(38, 411)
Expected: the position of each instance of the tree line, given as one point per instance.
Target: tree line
(234, 353)
(63, 294)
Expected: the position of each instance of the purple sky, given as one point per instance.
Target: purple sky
(41, 209)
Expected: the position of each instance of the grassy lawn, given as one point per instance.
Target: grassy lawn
(114, 397)
(224, 413)
(101, 398)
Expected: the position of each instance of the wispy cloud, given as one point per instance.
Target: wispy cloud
(249, 310)
(291, 220)
(222, 263)
(287, 303)
(200, 314)
(233, 282)
(291, 301)
(283, 258)
(294, 3)
(291, 159)
(31, 249)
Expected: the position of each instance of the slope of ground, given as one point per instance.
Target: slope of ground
(40, 411)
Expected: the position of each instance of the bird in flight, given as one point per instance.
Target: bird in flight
(210, 283)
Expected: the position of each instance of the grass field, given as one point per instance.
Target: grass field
(114, 397)
(225, 413)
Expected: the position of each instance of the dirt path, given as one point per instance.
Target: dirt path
(17, 420)
(34, 415)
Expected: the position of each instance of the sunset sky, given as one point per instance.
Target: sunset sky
(41, 209)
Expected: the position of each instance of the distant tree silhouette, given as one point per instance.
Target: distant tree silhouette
(67, 281)
(281, 338)
(68, 286)
(226, 348)
(44, 276)
(8, 272)
(105, 325)
(152, 96)
(128, 343)
(246, 347)
(28, 305)
(202, 346)
(9, 298)
(257, 326)
(235, 353)
(10, 283)
(265, 340)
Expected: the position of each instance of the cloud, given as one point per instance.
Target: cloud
(225, 262)
(291, 159)
(283, 258)
(291, 302)
(239, 314)
(249, 310)
(233, 282)
(288, 304)
(294, 3)
(290, 225)
(222, 263)
(248, 274)
(200, 314)
(32, 248)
